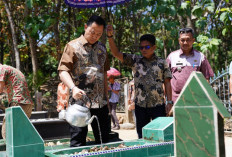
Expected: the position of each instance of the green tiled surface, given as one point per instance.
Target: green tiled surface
(193, 95)
(161, 151)
(198, 92)
(197, 125)
(22, 138)
(195, 132)
(160, 129)
(218, 103)
(140, 149)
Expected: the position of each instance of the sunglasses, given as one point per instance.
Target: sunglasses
(147, 47)
(186, 30)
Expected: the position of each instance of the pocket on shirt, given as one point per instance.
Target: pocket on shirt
(178, 83)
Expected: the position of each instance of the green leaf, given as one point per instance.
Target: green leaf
(197, 10)
(29, 3)
(54, 74)
(184, 5)
(224, 9)
(215, 41)
(80, 29)
(172, 10)
(223, 17)
(224, 31)
(204, 48)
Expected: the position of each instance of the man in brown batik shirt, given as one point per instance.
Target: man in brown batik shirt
(83, 70)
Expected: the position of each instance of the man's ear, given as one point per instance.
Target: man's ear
(86, 26)
(154, 47)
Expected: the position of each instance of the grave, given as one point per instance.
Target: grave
(24, 144)
(199, 117)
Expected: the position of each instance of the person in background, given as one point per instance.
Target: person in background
(150, 73)
(230, 73)
(83, 69)
(13, 83)
(186, 60)
(114, 89)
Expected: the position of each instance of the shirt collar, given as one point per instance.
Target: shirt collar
(182, 53)
(84, 41)
(153, 57)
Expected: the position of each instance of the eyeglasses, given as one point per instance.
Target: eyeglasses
(147, 47)
(186, 30)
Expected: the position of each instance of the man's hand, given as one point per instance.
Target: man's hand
(59, 108)
(231, 99)
(168, 109)
(110, 30)
(131, 105)
(77, 93)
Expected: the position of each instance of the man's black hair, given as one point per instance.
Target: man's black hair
(186, 30)
(148, 37)
(97, 19)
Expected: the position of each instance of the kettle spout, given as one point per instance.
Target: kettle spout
(90, 120)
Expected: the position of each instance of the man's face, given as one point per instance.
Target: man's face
(186, 41)
(93, 32)
(147, 49)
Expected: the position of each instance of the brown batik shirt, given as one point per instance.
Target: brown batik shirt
(86, 65)
(149, 76)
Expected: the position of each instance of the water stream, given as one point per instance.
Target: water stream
(99, 129)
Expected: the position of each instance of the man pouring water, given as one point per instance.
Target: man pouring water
(83, 70)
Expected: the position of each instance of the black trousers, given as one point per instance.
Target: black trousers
(144, 116)
(78, 134)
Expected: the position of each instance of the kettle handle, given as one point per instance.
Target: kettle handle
(83, 101)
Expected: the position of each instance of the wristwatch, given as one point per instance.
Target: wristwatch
(230, 94)
(169, 102)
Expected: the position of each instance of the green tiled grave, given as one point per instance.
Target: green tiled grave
(22, 139)
(137, 148)
(160, 129)
(199, 117)
(152, 145)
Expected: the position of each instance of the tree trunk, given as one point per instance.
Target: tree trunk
(14, 38)
(165, 49)
(103, 37)
(69, 21)
(134, 21)
(56, 29)
(179, 16)
(32, 43)
(1, 42)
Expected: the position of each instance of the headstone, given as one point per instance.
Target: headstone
(199, 117)
(22, 139)
(160, 129)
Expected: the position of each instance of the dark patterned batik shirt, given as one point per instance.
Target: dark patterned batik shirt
(149, 76)
(87, 65)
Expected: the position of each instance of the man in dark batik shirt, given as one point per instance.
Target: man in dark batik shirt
(150, 73)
